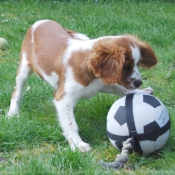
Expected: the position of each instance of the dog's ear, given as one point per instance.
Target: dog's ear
(107, 62)
(148, 57)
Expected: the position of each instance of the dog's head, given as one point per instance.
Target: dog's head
(116, 60)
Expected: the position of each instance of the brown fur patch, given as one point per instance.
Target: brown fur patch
(49, 49)
(82, 71)
(148, 57)
(59, 93)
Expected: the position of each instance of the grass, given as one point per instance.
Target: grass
(33, 143)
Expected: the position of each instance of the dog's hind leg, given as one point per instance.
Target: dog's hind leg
(23, 74)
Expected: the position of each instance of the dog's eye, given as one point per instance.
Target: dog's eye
(127, 67)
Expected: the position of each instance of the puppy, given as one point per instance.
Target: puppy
(78, 67)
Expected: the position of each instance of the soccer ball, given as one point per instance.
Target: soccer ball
(141, 117)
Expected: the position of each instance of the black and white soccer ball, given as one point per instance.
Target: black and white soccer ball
(141, 117)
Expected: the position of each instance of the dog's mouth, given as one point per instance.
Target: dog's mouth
(132, 84)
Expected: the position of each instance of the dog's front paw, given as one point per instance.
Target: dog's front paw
(148, 90)
(82, 146)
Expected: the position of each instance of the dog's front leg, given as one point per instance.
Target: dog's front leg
(120, 90)
(68, 124)
(147, 90)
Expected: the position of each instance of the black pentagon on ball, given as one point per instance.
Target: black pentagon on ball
(120, 115)
(151, 127)
(150, 100)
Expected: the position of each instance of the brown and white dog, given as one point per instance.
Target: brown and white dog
(78, 67)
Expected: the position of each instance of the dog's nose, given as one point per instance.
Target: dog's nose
(137, 83)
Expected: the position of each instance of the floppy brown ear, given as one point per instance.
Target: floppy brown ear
(107, 62)
(148, 57)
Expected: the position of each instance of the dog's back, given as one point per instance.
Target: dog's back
(44, 46)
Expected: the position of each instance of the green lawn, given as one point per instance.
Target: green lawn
(33, 143)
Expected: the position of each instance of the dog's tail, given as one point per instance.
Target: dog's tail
(78, 36)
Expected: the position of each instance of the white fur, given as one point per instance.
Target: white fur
(135, 54)
(80, 36)
(77, 91)
(136, 74)
(76, 45)
(52, 79)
